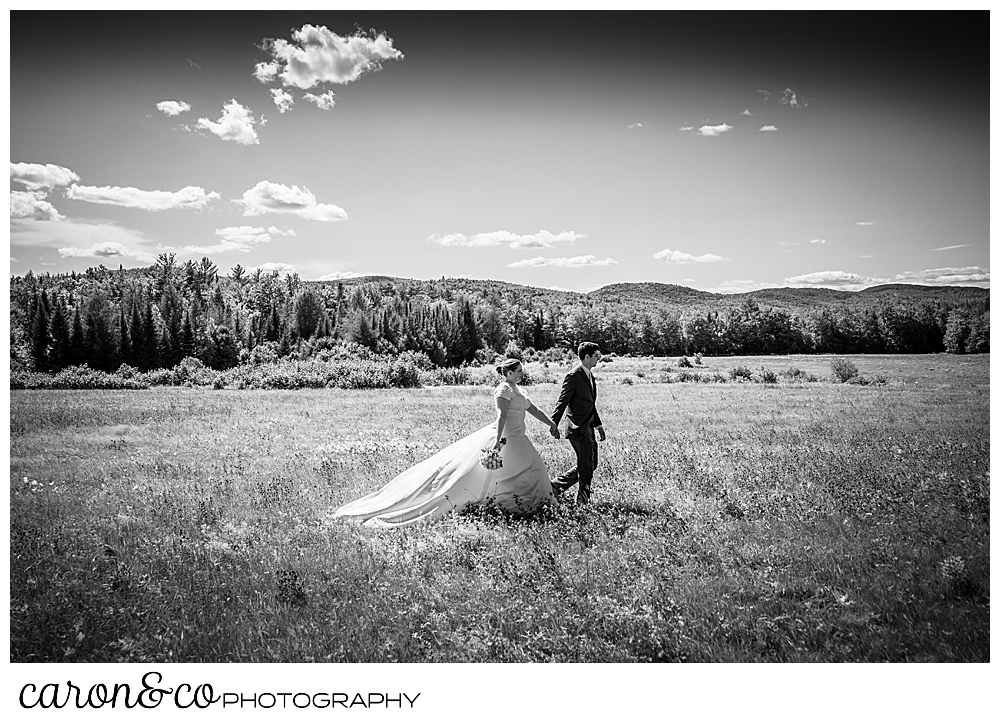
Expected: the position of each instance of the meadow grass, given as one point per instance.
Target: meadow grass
(736, 521)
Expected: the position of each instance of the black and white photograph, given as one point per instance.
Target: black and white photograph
(476, 337)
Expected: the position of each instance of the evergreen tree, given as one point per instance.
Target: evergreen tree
(78, 341)
(187, 344)
(40, 338)
(59, 333)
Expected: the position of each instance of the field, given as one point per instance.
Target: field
(739, 521)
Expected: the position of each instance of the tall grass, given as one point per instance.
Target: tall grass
(730, 522)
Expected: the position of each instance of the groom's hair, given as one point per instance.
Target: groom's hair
(587, 348)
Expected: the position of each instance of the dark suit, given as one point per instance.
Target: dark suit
(578, 400)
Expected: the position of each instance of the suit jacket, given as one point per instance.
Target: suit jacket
(578, 400)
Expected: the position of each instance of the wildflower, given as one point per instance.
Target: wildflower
(952, 568)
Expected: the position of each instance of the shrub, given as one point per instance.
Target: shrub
(766, 376)
(684, 363)
(793, 373)
(626, 380)
(843, 369)
(686, 376)
(697, 358)
(740, 372)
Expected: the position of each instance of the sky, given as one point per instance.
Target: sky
(721, 151)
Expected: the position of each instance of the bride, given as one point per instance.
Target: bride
(454, 477)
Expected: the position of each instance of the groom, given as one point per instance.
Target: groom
(578, 398)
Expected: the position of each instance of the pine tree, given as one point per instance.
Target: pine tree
(78, 341)
(59, 333)
(40, 338)
(124, 337)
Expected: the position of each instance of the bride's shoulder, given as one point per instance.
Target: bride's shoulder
(504, 389)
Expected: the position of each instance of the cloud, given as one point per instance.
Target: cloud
(234, 238)
(283, 99)
(78, 239)
(194, 64)
(189, 197)
(789, 98)
(950, 276)
(714, 130)
(274, 266)
(28, 204)
(835, 279)
(686, 128)
(236, 124)
(635, 125)
(768, 129)
(867, 256)
(570, 263)
(326, 101)
(317, 55)
(789, 243)
(865, 223)
(746, 112)
(765, 93)
(679, 257)
(336, 275)
(949, 248)
(740, 286)
(267, 197)
(102, 250)
(173, 107)
(541, 240)
(817, 241)
(36, 176)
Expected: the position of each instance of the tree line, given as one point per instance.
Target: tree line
(154, 317)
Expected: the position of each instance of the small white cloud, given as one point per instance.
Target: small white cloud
(680, 257)
(789, 243)
(765, 93)
(81, 237)
(574, 262)
(949, 248)
(817, 241)
(867, 256)
(788, 97)
(635, 125)
(317, 55)
(714, 130)
(950, 276)
(35, 176)
(265, 72)
(746, 112)
(194, 64)
(272, 266)
(835, 279)
(267, 197)
(865, 223)
(739, 286)
(28, 204)
(236, 124)
(173, 107)
(541, 240)
(189, 197)
(686, 128)
(768, 129)
(283, 99)
(336, 275)
(105, 249)
(326, 101)
(235, 238)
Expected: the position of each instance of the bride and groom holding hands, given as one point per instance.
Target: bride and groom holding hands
(454, 477)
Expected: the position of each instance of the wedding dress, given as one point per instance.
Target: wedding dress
(454, 478)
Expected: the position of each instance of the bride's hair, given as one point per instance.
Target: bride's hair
(508, 365)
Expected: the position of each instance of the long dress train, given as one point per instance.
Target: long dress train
(454, 478)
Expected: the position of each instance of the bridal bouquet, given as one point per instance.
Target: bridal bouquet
(490, 458)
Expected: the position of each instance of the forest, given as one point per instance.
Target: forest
(154, 317)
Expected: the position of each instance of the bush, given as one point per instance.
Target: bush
(697, 358)
(684, 363)
(740, 372)
(793, 373)
(843, 369)
(766, 376)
